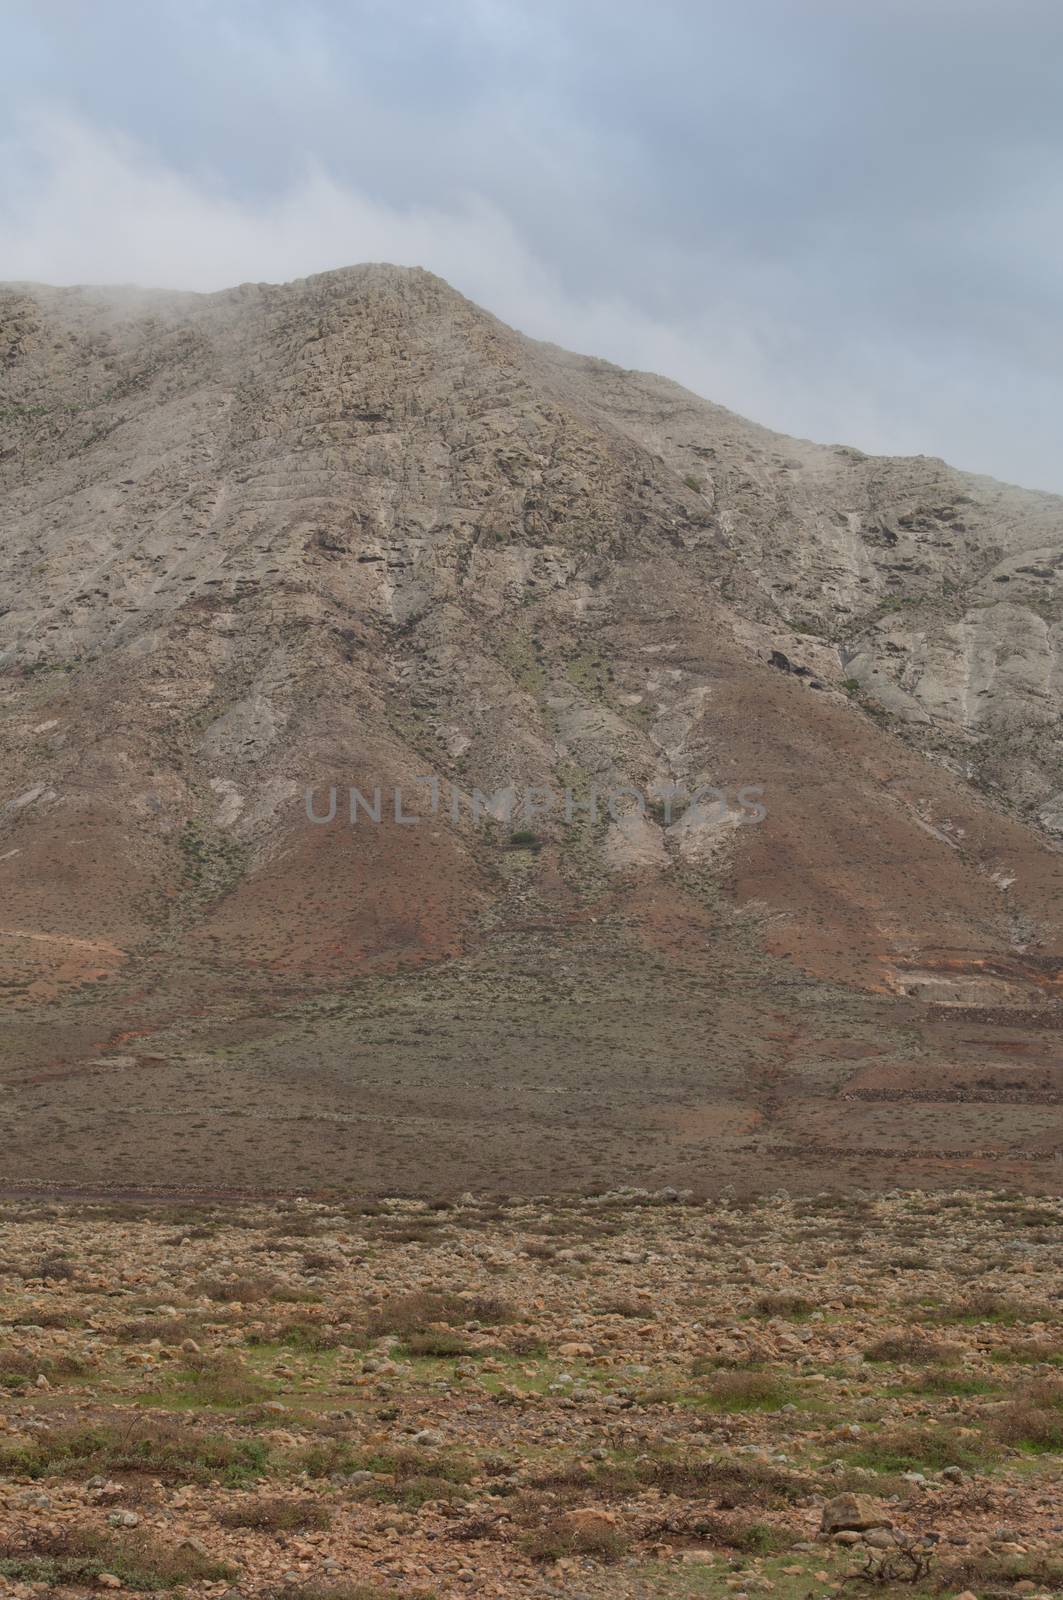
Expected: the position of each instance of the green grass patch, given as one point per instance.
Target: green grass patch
(916, 1447)
(992, 1308)
(950, 1383)
(728, 1483)
(156, 1449)
(80, 1555)
(405, 1476)
(1030, 1352)
(216, 1383)
(19, 1369)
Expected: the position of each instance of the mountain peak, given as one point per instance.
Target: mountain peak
(352, 532)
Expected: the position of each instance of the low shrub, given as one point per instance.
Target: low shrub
(219, 1381)
(19, 1369)
(915, 1447)
(1033, 1418)
(912, 1347)
(156, 1449)
(275, 1514)
(556, 1539)
(748, 1391)
(79, 1555)
(414, 1313)
(783, 1305)
(247, 1290)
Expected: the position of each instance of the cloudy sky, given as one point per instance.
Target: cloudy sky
(844, 219)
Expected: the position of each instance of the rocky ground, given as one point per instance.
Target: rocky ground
(632, 1394)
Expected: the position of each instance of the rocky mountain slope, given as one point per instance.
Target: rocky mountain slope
(353, 531)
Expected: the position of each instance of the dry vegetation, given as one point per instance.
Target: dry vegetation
(629, 1395)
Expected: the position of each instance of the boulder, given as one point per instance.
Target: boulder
(855, 1512)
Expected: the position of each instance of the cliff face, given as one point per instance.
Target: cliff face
(353, 531)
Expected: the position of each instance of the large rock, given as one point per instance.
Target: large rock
(853, 1512)
(589, 1519)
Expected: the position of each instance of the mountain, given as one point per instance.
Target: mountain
(354, 532)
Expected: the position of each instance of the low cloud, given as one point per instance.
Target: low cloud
(79, 204)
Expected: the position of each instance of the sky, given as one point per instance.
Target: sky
(843, 218)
